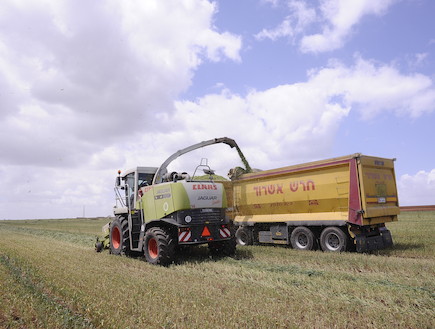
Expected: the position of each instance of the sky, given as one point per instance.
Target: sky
(90, 87)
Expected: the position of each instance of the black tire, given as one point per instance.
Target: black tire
(119, 237)
(159, 246)
(223, 248)
(333, 239)
(99, 246)
(244, 236)
(302, 238)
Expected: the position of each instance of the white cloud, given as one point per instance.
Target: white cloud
(375, 89)
(76, 84)
(301, 16)
(335, 19)
(55, 192)
(340, 16)
(417, 61)
(274, 126)
(299, 121)
(418, 189)
(100, 74)
(272, 2)
(285, 29)
(84, 93)
(287, 124)
(220, 46)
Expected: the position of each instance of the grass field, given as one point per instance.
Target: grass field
(50, 277)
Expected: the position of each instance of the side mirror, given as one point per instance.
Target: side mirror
(118, 181)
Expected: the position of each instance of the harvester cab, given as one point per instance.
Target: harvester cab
(128, 187)
(156, 212)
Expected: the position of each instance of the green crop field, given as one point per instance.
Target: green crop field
(50, 277)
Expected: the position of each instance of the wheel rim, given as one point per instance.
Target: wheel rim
(242, 238)
(116, 238)
(302, 240)
(333, 241)
(153, 249)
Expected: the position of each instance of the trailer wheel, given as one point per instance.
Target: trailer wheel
(244, 236)
(302, 238)
(333, 239)
(223, 248)
(159, 247)
(119, 237)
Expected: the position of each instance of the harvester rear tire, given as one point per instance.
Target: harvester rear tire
(159, 246)
(244, 236)
(302, 238)
(119, 237)
(333, 239)
(223, 248)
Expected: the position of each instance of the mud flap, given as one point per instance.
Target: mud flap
(386, 237)
(364, 243)
(368, 243)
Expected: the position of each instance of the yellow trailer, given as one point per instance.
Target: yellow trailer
(338, 204)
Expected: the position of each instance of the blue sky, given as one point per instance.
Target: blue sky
(90, 88)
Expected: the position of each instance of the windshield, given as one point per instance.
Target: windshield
(144, 179)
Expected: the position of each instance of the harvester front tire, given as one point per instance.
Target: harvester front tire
(302, 238)
(223, 248)
(244, 236)
(333, 239)
(119, 237)
(159, 247)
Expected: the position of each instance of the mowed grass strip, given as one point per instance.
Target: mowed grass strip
(413, 235)
(77, 230)
(25, 304)
(263, 287)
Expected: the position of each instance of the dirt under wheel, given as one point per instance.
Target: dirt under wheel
(223, 248)
(119, 237)
(244, 236)
(302, 238)
(333, 239)
(159, 246)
